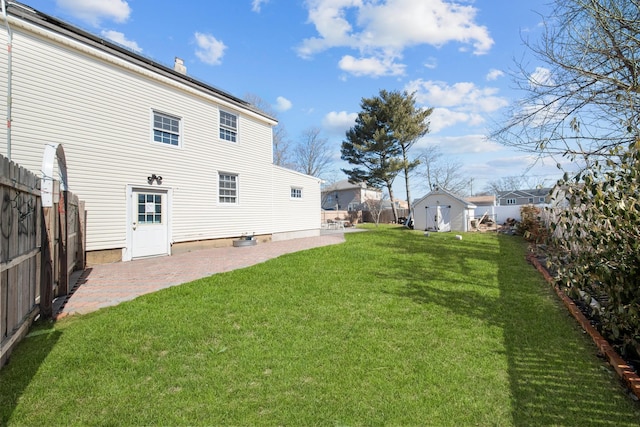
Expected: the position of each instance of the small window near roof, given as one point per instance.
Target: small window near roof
(296, 193)
(228, 126)
(512, 201)
(166, 129)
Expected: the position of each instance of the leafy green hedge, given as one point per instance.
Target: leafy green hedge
(597, 242)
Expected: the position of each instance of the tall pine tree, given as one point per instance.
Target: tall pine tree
(378, 144)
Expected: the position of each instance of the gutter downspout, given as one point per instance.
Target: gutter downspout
(9, 75)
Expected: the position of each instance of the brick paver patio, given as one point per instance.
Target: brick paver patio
(110, 284)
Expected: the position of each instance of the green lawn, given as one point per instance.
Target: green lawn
(389, 328)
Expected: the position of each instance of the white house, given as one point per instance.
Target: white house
(164, 162)
(442, 211)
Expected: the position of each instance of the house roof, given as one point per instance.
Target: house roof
(482, 200)
(438, 192)
(535, 192)
(35, 17)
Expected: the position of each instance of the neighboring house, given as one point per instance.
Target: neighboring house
(344, 195)
(442, 211)
(535, 196)
(164, 162)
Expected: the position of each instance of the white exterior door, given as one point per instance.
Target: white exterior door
(439, 218)
(445, 218)
(150, 223)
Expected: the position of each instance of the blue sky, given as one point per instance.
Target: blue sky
(314, 61)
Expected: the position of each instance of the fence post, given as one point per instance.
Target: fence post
(63, 279)
(82, 243)
(46, 265)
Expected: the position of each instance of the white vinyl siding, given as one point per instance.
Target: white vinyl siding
(63, 95)
(286, 208)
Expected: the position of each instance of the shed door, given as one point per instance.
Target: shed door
(149, 235)
(439, 218)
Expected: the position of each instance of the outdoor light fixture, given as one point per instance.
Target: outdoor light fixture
(154, 177)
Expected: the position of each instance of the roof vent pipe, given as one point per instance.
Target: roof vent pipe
(179, 66)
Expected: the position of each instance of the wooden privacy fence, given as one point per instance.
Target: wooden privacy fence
(386, 216)
(39, 248)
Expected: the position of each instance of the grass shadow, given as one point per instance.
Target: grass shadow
(551, 364)
(24, 364)
(549, 373)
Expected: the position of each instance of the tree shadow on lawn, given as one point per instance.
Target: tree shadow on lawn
(26, 359)
(550, 379)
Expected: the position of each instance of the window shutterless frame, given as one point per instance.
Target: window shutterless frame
(166, 129)
(227, 188)
(296, 193)
(228, 126)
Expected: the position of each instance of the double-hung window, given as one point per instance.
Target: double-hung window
(166, 129)
(227, 188)
(296, 193)
(228, 126)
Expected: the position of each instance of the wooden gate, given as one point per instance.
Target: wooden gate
(39, 248)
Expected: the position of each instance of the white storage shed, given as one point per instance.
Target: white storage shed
(442, 211)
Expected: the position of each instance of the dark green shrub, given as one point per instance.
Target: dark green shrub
(597, 237)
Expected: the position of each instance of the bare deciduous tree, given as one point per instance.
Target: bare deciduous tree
(375, 208)
(586, 98)
(514, 183)
(438, 171)
(312, 155)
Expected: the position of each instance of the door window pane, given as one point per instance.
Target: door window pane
(149, 208)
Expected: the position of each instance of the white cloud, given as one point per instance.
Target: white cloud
(282, 104)
(383, 29)
(540, 77)
(442, 118)
(339, 122)
(465, 144)
(494, 74)
(374, 67)
(93, 11)
(431, 63)
(256, 5)
(210, 49)
(120, 38)
(461, 102)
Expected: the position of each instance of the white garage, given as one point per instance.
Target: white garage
(442, 211)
